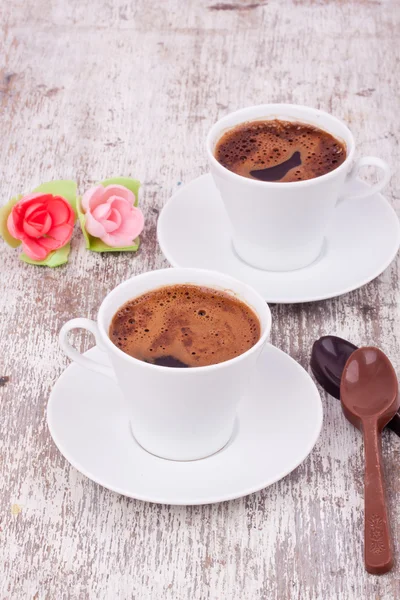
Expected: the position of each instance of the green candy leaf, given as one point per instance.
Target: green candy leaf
(63, 187)
(4, 214)
(81, 219)
(95, 244)
(54, 259)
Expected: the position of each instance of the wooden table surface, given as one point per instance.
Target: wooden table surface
(95, 89)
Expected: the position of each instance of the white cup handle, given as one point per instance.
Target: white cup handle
(76, 356)
(367, 161)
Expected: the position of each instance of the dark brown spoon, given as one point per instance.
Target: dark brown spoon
(369, 396)
(328, 358)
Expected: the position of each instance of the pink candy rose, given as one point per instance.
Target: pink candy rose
(110, 215)
(42, 222)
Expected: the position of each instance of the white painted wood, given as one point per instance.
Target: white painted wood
(94, 89)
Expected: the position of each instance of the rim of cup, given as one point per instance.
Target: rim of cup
(217, 130)
(227, 283)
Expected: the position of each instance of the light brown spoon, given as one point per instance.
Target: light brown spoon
(369, 396)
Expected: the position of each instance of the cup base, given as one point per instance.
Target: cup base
(194, 459)
(281, 263)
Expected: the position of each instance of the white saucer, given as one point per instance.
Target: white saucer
(363, 239)
(278, 423)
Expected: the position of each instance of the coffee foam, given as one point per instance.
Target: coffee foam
(263, 144)
(185, 325)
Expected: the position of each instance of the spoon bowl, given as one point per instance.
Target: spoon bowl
(328, 358)
(369, 388)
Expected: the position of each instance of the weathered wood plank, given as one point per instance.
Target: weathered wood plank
(89, 90)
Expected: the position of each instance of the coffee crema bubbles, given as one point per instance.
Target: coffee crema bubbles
(185, 325)
(282, 151)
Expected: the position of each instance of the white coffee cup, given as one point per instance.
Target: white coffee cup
(175, 413)
(280, 226)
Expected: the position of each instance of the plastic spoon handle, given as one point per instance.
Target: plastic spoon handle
(378, 551)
